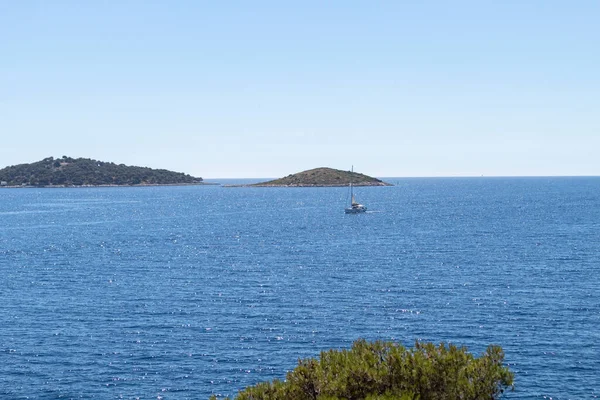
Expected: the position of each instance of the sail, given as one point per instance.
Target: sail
(354, 208)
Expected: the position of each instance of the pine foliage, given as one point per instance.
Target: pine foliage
(386, 370)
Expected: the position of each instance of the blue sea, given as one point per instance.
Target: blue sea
(184, 292)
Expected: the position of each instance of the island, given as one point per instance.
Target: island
(77, 172)
(323, 177)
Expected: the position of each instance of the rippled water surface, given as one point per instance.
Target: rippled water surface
(181, 292)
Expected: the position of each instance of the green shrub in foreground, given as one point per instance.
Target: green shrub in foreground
(386, 370)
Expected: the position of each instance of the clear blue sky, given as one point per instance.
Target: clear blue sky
(268, 88)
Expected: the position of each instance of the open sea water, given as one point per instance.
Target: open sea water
(182, 292)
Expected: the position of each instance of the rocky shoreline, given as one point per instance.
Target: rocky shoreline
(300, 185)
(101, 186)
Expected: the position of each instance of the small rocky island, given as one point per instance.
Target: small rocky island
(69, 172)
(323, 177)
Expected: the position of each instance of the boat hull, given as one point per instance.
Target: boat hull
(355, 210)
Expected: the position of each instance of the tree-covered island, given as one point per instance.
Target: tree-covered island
(67, 171)
(323, 177)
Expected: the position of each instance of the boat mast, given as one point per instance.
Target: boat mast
(351, 190)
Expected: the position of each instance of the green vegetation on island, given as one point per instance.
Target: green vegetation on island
(324, 177)
(386, 371)
(67, 171)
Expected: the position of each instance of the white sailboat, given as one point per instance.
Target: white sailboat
(355, 208)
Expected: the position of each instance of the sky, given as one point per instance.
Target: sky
(253, 89)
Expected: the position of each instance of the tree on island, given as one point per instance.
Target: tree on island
(386, 370)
